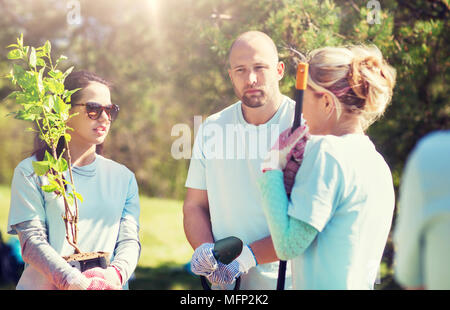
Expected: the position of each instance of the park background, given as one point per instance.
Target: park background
(167, 60)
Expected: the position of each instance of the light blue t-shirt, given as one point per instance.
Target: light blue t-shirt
(343, 189)
(109, 191)
(227, 157)
(421, 234)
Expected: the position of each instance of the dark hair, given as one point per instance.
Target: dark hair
(81, 79)
(78, 79)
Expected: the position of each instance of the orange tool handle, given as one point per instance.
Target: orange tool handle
(302, 76)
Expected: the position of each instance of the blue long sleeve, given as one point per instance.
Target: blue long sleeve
(290, 236)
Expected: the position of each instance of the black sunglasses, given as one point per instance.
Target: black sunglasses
(94, 110)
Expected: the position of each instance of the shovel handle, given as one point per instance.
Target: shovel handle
(302, 76)
(300, 86)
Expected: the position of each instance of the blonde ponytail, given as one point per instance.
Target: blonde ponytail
(357, 77)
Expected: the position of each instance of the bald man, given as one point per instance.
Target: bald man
(222, 197)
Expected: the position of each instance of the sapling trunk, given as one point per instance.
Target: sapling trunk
(70, 221)
(75, 219)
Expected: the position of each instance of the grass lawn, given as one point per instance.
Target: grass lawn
(165, 249)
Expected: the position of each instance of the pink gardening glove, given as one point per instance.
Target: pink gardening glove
(94, 280)
(101, 284)
(289, 174)
(111, 275)
(292, 166)
(287, 146)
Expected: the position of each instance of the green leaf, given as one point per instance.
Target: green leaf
(60, 106)
(62, 57)
(51, 179)
(48, 103)
(25, 79)
(15, 54)
(30, 129)
(61, 165)
(18, 72)
(70, 199)
(40, 81)
(27, 99)
(47, 48)
(65, 116)
(33, 57)
(25, 116)
(55, 86)
(68, 71)
(56, 74)
(49, 188)
(50, 159)
(13, 95)
(41, 167)
(68, 137)
(40, 62)
(68, 94)
(78, 195)
(26, 49)
(20, 40)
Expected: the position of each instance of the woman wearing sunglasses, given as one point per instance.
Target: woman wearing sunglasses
(335, 225)
(108, 215)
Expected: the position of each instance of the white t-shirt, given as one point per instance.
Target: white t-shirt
(343, 189)
(226, 161)
(423, 222)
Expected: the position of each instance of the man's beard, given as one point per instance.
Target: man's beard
(253, 101)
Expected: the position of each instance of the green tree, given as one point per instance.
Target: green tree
(168, 62)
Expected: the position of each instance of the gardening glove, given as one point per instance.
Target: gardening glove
(292, 166)
(203, 262)
(78, 281)
(246, 259)
(289, 174)
(110, 274)
(287, 146)
(227, 274)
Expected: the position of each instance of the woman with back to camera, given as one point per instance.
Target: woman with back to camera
(108, 215)
(335, 225)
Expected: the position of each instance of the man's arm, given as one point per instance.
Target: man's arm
(264, 251)
(197, 226)
(196, 218)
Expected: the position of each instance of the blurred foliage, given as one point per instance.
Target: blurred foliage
(168, 60)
